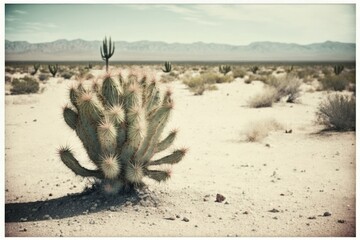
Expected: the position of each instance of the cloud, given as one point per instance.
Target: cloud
(20, 12)
(11, 19)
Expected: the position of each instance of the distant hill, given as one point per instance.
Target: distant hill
(81, 50)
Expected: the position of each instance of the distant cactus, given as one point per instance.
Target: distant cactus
(107, 51)
(290, 69)
(90, 66)
(168, 67)
(53, 69)
(338, 69)
(224, 69)
(120, 123)
(254, 69)
(36, 68)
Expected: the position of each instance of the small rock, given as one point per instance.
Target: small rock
(274, 210)
(170, 218)
(219, 198)
(267, 145)
(23, 230)
(307, 224)
(341, 221)
(281, 194)
(177, 216)
(34, 120)
(209, 215)
(112, 208)
(275, 218)
(312, 217)
(246, 212)
(196, 226)
(185, 219)
(50, 194)
(327, 214)
(226, 202)
(47, 217)
(23, 219)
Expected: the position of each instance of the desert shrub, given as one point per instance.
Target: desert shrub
(257, 131)
(349, 76)
(205, 81)
(10, 70)
(287, 86)
(43, 77)
(89, 76)
(24, 86)
(7, 79)
(167, 78)
(338, 112)
(264, 99)
(238, 72)
(334, 82)
(67, 75)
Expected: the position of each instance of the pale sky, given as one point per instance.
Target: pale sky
(237, 24)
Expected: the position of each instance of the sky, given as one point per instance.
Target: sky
(237, 24)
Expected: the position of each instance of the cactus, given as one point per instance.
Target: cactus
(90, 66)
(224, 69)
(120, 123)
(254, 69)
(53, 69)
(36, 68)
(107, 51)
(338, 69)
(167, 67)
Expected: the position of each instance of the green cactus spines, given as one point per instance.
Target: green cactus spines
(53, 69)
(107, 50)
(224, 69)
(167, 66)
(120, 124)
(338, 69)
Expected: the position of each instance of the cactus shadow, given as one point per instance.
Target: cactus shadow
(74, 205)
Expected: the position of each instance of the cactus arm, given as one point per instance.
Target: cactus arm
(164, 144)
(173, 158)
(70, 117)
(158, 175)
(70, 161)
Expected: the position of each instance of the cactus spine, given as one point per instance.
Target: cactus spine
(106, 51)
(338, 69)
(224, 69)
(53, 69)
(168, 67)
(120, 123)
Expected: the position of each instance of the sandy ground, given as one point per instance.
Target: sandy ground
(281, 186)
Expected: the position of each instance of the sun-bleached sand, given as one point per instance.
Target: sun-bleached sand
(297, 184)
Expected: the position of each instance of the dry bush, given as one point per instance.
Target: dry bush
(238, 72)
(338, 112)
(264, 99)
(7, 79)
(335, 83)
(257, 131)
(24, 86)
(199, 84)
(286, 86)
(165, 78)
(43, 77)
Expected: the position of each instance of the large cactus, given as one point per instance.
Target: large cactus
(107, 50)
(338, 69)
(36, 68)
(168, 67)
(224, 69)
(120, 123)
(53, 69)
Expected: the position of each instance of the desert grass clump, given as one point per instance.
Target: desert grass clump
(238, 72)
(120, 123)
(264, 99)
(334, 83)
(287, 86)
(255, 132)
(337, 112)
(25, 85)
(67, 75)
(202, 82)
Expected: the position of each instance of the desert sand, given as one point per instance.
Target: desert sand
(297, 184)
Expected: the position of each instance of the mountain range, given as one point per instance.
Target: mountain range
(82, 50)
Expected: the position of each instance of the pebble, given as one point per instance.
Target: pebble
(220, 198)
(23, 219)
(112, 208)
(177, 216)
(341, 221)
(246, 212)
(327, 214)
(170, 218)
(47, 217)
(185, 219)
(312, 217)
(274, 210)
